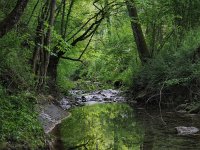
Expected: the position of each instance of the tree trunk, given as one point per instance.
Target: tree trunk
(11, 20)
(52, 71)
(54, 59)
(41, 54)
(48, 36)
(143, 51)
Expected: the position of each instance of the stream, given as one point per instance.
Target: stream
(105, 122)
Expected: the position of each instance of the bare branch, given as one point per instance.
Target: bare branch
(59, 9)
(87, 33)
(86, 46)
(79, 58)
(33, 11)
(165, 40)
(160, 104)
(101, 11)
(73, 59)
(83, 26)
(63, 17)
(67, 19)
(79, 146)
(94, 4)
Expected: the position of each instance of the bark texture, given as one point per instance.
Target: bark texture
(12, 19)
(41, 53)
(143, 51)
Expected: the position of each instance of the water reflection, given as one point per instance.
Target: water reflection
(163, 136)
(102, 127)
(118, 127)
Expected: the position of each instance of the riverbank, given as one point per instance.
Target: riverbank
(50, 115)
(52, 112)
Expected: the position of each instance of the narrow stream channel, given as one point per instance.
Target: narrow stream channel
(117, 126)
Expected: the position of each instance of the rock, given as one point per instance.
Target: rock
(91, 103)
(100, 96)
(65, 107)
(106, 99)
(76, 92)
(77, 104)
(181, 107)
(83, 99)
(186, 130)
(195, 109)
(119, 99)
(141, 94)
(50, 98)
(77, 98)
(133, 102)
(182, 111)
(65, 104)
(50, 116)
(99, 100)
(118, 84)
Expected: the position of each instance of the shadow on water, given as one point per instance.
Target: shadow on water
(119, 127)
(159, 135)
(57, 143)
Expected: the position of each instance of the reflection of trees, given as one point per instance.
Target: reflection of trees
(101, 127)
(79, 146)
(148, 140)
(149, 135)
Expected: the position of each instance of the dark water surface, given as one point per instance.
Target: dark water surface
(119, 127)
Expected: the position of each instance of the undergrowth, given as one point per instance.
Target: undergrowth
(19, 128)
(174, 73)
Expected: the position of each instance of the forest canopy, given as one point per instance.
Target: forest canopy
(148, 47)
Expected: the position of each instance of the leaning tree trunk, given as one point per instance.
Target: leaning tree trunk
(11, 20)
(143, 51)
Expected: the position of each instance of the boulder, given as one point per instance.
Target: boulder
(182, 130)
(83, 98)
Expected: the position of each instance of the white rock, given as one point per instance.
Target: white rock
(186, 130)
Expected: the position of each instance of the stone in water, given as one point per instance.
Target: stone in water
(186, 130)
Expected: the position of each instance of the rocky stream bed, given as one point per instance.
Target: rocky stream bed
(52, 114)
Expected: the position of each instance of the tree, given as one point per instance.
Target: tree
(143, 51)
(45, 64)
(12, 19)
(41, 53)
(86, 31)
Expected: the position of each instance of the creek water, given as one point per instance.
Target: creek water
(101, 120)
(117, 126)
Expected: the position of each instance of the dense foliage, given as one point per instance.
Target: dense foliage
(150, 47)
(19, 124)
